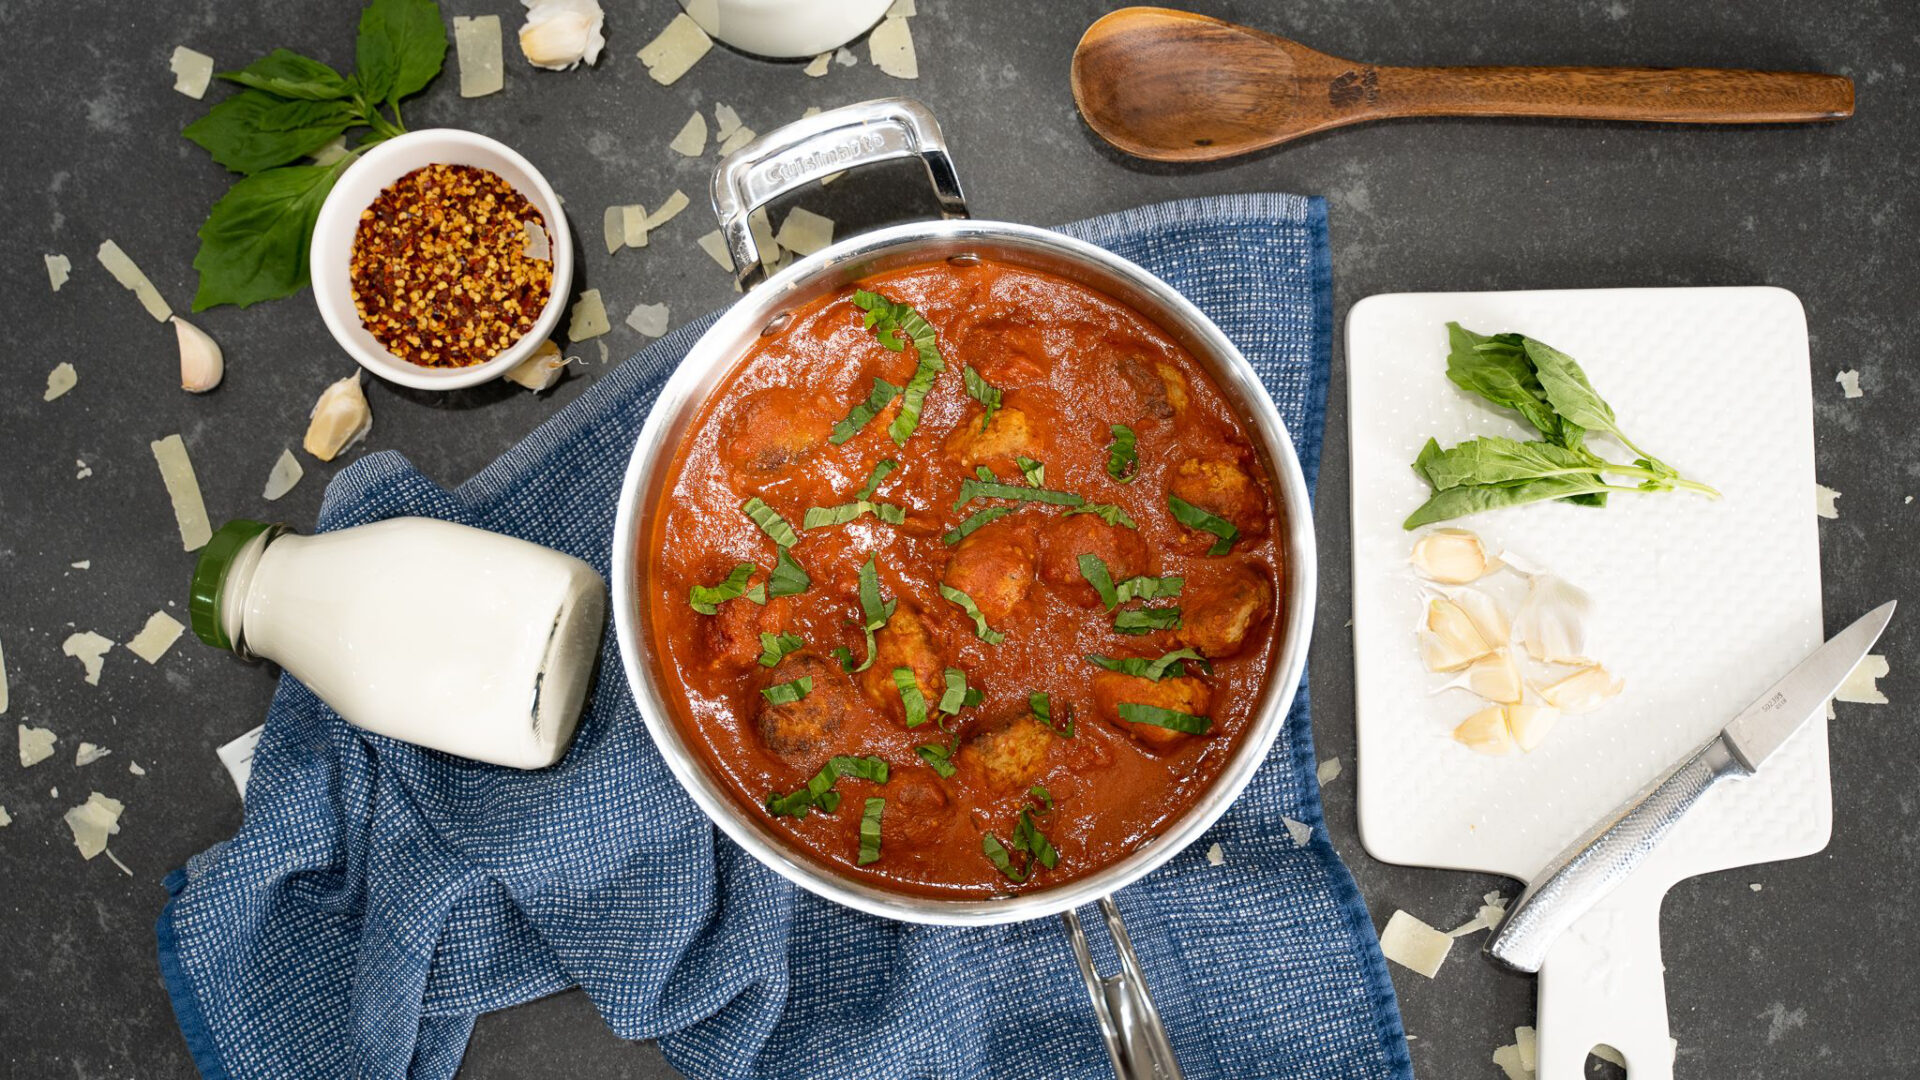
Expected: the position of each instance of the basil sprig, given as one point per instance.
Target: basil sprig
(819, 793)
(1172, 719)
(980, 628)
(706, 599)
(254, 243)
(870, 831)
(1200, 520)
(1123, 461)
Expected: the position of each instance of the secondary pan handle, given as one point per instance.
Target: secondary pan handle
(821, 145)
(1130, 1025)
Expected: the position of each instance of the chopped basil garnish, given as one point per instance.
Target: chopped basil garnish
(819, 792)
(1147, 620)
(1193, 517)
(980, 628)
(883, 394)
(819, 517)
(939, 758)
(874, 615)
(1170, 666)
(787, 693)
(776, 647)
(788, 578)
(980, 517)
(706, 599)
(870, 831)
(958, 695)
(1167, 718)
(880, 470)
(1094, 569)
(770, 522)
(1149, 588)
(1040, 792)
(1028, 840)
(1042, 708)
(888, 321)
(997, 854)
(1122, 461)
(974, 488)
(984, 473)
(979, 390)
(1113, 594)
(1034, 471)
(1111, 513)
(910, 696)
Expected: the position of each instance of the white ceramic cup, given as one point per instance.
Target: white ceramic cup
(787, 29)
(356, 189)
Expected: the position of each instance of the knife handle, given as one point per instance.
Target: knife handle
(1593, 865)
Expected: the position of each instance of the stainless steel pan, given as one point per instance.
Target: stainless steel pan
(798, 154)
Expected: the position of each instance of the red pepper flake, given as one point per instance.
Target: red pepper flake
(439, 267)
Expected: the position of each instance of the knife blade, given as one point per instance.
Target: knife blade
(1592, 866)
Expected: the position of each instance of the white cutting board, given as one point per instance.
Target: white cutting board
(1698, 605)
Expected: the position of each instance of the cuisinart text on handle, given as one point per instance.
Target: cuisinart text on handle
(802, 165)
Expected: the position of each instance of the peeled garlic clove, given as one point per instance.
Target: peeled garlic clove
(541, 370)
(339, 419)
(1583, 691)
(1552, 620)
(1529, 724)
(1451, 556)
(201, 363)
(1495, 676)
(1485, 732)
(562, 33)
(1450, 640)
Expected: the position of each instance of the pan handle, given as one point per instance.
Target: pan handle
(1129, 1024)
(820, 145)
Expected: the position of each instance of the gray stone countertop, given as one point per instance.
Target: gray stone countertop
(1813, 975)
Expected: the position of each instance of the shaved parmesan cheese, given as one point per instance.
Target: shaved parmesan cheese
(541, 370)
(1526, 1041)
(36, 745)
(91, 650)
(538, 246)
(92, 822)
(1508, 1058)
(692, 140)
(648, 319)
(1328, 771)
(890, 47)
(1495, 899)
(670, 209)
(901, 9)
(715, 245)
(677, 49)
(1823, 497)
(330, 152)
(588, 319)
(562, 33)
(87, 754)
(613, 228)
(5, 820)
(737, 140)
(286, 473)
(725, 120)
(476, 43)
(340, 418)
(1860, 686)
(83, 564)
(1849, 383)
(633, 225)
(1215, 856)
(60, 380)
(818, 66)
(603, 351)
(1607, 1053)
(762, 230)
(86, 470)
(1414, 945)
(805, 232)
(134, 768)
(130, 277)
(189, 512)
(1755, 886)
(1300, 831)
(192, 71)
(59, 268)
(844, 57)
(155, 638)
(3, 683)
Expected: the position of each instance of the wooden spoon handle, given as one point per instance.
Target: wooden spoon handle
(1669, 95)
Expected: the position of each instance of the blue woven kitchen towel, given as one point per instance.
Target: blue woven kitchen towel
(378, 896)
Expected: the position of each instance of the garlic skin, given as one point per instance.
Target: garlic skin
(1485, 732)
(202, 365)
(1551, 622)
(1583, 691)
(1450, 640)
(1529, 724)
(1452, 557)
(560, 34)
(339, 419)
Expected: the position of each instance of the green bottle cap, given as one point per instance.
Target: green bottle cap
(210, 576)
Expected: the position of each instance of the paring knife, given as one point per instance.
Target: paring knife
(1593, 865)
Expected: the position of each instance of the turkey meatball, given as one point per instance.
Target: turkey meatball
(1217, 613)
(801, 731)
(994, 565)
(1184, 694)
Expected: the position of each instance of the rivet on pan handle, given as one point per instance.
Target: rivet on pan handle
(816, 146)
(1129, 1024)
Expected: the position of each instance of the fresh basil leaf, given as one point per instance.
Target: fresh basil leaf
(984, 473)
(1123, 461)
(777, 647)
(254, 243)
(958, 694)
(912, 398)
(787, 693)
(291, 75)
(253, 131)
(820, 517)
(974, 488)
(1147, 620)
(1497, 368)
(402, 46)
(911, 698)
(1498, 460)
(1567, 388)
(770, 522)
(981, 391)
(706, 599)
(870, 831)
(881, 469)
(980, 517)
(980, 628)
(1474, 498)
(938, 757)
(1042, 708)
(1149, 588)
(895, 325)
(1172, 665)
(1040, 793)
(1197, 519)
(1171, 719)
(818, 792)
(883, 394)
(789, 578)
(1034, 471)
(874, 615)
(1094, 569)
(1110, 513)
(1027, 837)
(996, 853)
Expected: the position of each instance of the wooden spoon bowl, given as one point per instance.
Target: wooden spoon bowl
(1174, 86)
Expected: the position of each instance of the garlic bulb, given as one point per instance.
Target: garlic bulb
(1485, 732)
(1552, 620)
(201, 363)
(1583, 691)
(1495, 676)
(1450, 640)
(1451, 556)
(562, 33)
(1529, 724)
(339, 419)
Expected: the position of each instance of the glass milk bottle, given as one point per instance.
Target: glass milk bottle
(447, 636)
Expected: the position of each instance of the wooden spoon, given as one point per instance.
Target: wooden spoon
(1174, 86)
